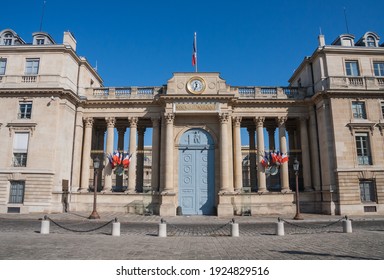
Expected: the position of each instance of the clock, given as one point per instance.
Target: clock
(196, 85)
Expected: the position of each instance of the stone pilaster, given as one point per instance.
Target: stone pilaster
(284, 176)
(238, 168)
(86, 158)
(262, 184)
(109, 150)
(155, 154)
(132, 150)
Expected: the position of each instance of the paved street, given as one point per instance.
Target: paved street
(202, 238)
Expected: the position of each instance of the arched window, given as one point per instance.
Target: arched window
(370, 42)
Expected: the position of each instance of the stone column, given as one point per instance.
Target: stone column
(252, 157)
(76, 163)
(224, 167)
(120, 147)
(109, 150)
(262, 184)
(169, 145)
(140, 159)
(86, 159)
(284, 177)
(271, 137)
(238, 167)
(132, 150)
(314, 150)
(305, 154)
(155, 154)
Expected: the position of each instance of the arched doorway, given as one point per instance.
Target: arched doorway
(196, 173)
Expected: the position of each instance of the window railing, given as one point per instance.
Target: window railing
(364, 160)
(19, 160)
(29, 79)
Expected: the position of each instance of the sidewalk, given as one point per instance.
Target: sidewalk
(126, 217)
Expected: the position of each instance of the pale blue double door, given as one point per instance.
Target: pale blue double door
(196, 173)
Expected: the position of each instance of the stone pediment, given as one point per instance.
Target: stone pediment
(194, 84)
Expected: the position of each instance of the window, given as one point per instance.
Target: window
(16, 193)
(352, 68)
(382, 109)
(367, 191)
(358, 110)
(20, 149)
(3, 64)
(362, 149)
(25, 110)
(40, 41)
(32, 66)
(378, 67)
(8, 39)
(371, 41)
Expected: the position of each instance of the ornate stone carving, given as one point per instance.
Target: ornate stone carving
(281, 121)
(224, 117)
(237, 121)
(259, 121)
(88, 121)
(169, 118)
(133, 121)
(110, 122)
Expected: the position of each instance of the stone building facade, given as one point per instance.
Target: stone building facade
(56, 118)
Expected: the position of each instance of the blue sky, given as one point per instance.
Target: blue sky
(141, 43)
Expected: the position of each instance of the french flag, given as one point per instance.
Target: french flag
(194, 51)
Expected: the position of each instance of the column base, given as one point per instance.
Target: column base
(225, 206)
(167, 206)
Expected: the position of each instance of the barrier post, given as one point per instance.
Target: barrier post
(347, 225)
(115, 228)
(162, 228)
(279, 227)
(234, 229)
(44, 226)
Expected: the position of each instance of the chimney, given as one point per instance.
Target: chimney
(69, 40)
(321, 39)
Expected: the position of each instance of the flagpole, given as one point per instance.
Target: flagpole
(195, 52)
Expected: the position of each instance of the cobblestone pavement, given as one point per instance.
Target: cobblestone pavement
(318, 237)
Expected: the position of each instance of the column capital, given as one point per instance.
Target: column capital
(281, 120)
(259, 121)
(224, 117)
(133, 121)
(111, 121)
(237, 120)
(88, 121)
(169, 118)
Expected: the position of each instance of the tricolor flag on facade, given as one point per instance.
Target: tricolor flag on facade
(194, 53)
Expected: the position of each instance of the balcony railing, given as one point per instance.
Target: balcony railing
(348, 82)
(127, 92)
(266, 92)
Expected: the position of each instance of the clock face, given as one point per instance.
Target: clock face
(196, 85)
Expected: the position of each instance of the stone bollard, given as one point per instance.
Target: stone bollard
(162, 229)
(44, 226)
(115, 228)
(279, 227)
(234, 229)
(347, 225)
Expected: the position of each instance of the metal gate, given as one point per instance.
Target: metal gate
(196, 173)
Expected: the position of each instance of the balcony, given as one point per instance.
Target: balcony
(349, 82)
(127, 92)
(37, 81)
(267, 92)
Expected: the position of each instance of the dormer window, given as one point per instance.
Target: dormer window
(40, 41)
(370, 39)
(8, 39)
(370, 42)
